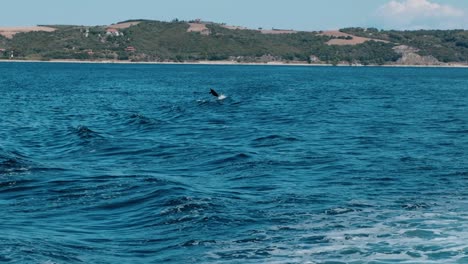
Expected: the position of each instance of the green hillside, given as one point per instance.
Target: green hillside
(445, 45)
(170, 41)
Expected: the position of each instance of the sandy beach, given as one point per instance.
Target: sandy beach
(448, 65)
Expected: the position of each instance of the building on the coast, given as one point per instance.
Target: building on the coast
(314, 59)
(113, 32)
(130, 49)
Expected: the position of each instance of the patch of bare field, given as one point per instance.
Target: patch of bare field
(273, 31)
(196, 27)
(124, 25)
(199, 27)
(340, 41)
(9, 32)
(234, 27)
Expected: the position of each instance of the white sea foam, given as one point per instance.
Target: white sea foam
(403, 236)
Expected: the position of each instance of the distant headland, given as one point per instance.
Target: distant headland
(200, 41)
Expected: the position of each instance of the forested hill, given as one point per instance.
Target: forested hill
(179, 41)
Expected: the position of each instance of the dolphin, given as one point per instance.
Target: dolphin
(214, 93)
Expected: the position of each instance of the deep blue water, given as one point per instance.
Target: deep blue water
(139, 164)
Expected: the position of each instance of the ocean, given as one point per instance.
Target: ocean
(125, 163)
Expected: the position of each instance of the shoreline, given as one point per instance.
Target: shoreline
(234, 63)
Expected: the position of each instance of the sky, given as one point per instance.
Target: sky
(280, 14)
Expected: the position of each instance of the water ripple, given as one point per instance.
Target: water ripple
(296, 165)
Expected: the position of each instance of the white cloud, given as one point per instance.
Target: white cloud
(420, 14)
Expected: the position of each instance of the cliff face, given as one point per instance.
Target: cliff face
(410, 57)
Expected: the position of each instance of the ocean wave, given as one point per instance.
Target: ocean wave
(295, 166)
(232, 159)
(140, 119)
(14, 162)
(85, 133)
(13, 165)
(186, 205)
(272, 140)
(143, 121)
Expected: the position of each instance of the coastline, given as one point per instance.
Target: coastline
(225, 62)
